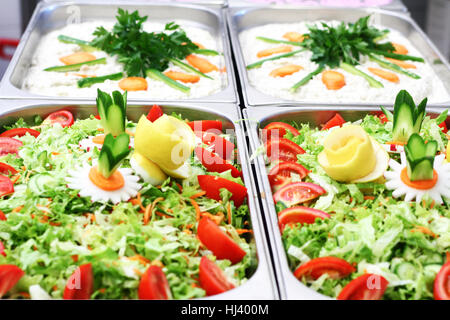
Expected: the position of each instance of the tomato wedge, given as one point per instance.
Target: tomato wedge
(2, 249)
(221, 146)
(205, 125)
(63, 117)
(221, 245)
(336, 268)
(442, 283)
(298, 192)
(154, 285)
(80, 284)
(283, 150)
(278, 130)
(6, 186)
(337, 120)
(212, 279)
(2, 216)
(213, 163)
(9, 145)
(154, 113)
(213, 184)
(300, 215)
(9, 276)
(7, 169)
(281, 173)
(19, 132)
(366, 287)
(443, 127)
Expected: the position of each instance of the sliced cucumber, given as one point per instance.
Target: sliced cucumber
(87, 82)
(40, 183)
(76, 66)
(406, 271)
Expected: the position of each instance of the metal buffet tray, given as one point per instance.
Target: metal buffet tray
(395, 5)
(240, 19)
(50, 16)
(215, 3)
(261, 285)
(290, 287)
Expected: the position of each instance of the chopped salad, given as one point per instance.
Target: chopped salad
(363, 206)
(95, 208)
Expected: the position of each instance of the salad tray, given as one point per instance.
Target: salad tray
(243, 18)
(290, 287)
(50, 16)
(261, 285)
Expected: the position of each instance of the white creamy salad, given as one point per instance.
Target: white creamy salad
(51, 49)
(356, 88)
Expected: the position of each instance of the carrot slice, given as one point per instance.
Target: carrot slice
(201, 64)
(77, 57)
(285, 70)
(399, 48)
(333, 80)
(419, 184)
(271, 51)
(98, 139)
(183, 77)
(389, 76)
(294, 36)
(401, 63)
(133, 84)
(114, 182)
(199, 45)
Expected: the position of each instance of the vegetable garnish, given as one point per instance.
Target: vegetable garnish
(114, 151)
(112, 111)
(87, 82)
(75, 67)
(77, 57)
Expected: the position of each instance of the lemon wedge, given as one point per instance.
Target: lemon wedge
(147, 169)
(168, 141)
(182, 172)
(351, 155)
(447, 155)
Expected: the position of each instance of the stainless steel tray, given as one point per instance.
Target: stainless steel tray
(49, 16)
(395, 5)
(213, 3)
(240, 19)
(261, 285)
(290, 287)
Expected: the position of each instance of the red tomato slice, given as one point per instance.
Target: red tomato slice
(2, 216)
(7, 169)
(213, 184)
(282, 171)
(336, 268)
(283, 150)
(19, 132)
(80, 284)
(97, 117)
(9, 145)
(300, 215)
(154, 285)
(337, 120)
(212, 279)
(63, 117)
(213, 163)
(221, 245)
(298, 192)
(2, 249)
(6, 186)
(154, 113)
(366, 287)
(278, 130)
(443, 127)
(9, 276)
(205, 125)
(221, 146)
(442, 283)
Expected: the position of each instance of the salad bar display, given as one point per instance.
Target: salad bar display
(359, 200)
(125, 171)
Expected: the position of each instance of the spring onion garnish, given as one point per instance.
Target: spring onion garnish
(113, 152)
(207, 52)
(305, 80)
(77, 66)
(188, 68)
(270, 40)
(259, 63)
(112, 111)
(85, 45)
(87, 82)
(420, 158)
(353, 70)
(157, 75)
(392, 66)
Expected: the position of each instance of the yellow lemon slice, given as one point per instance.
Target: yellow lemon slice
(147, 169)
(182, 172)
(168, 141)
(382, 163)
(348, 154)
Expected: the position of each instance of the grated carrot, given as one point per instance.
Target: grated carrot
(179, 187)
(242, 231)
(229, 213)
(424, 230)
(198, 195)
(140, 259)
(140, 201)
(15, 178)
(197, 209)
(157, 263)
(137, 271)
(369, 198)
(75, 258)
(216, 218)
(147, 213)
(447, 255)
(17, 209)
